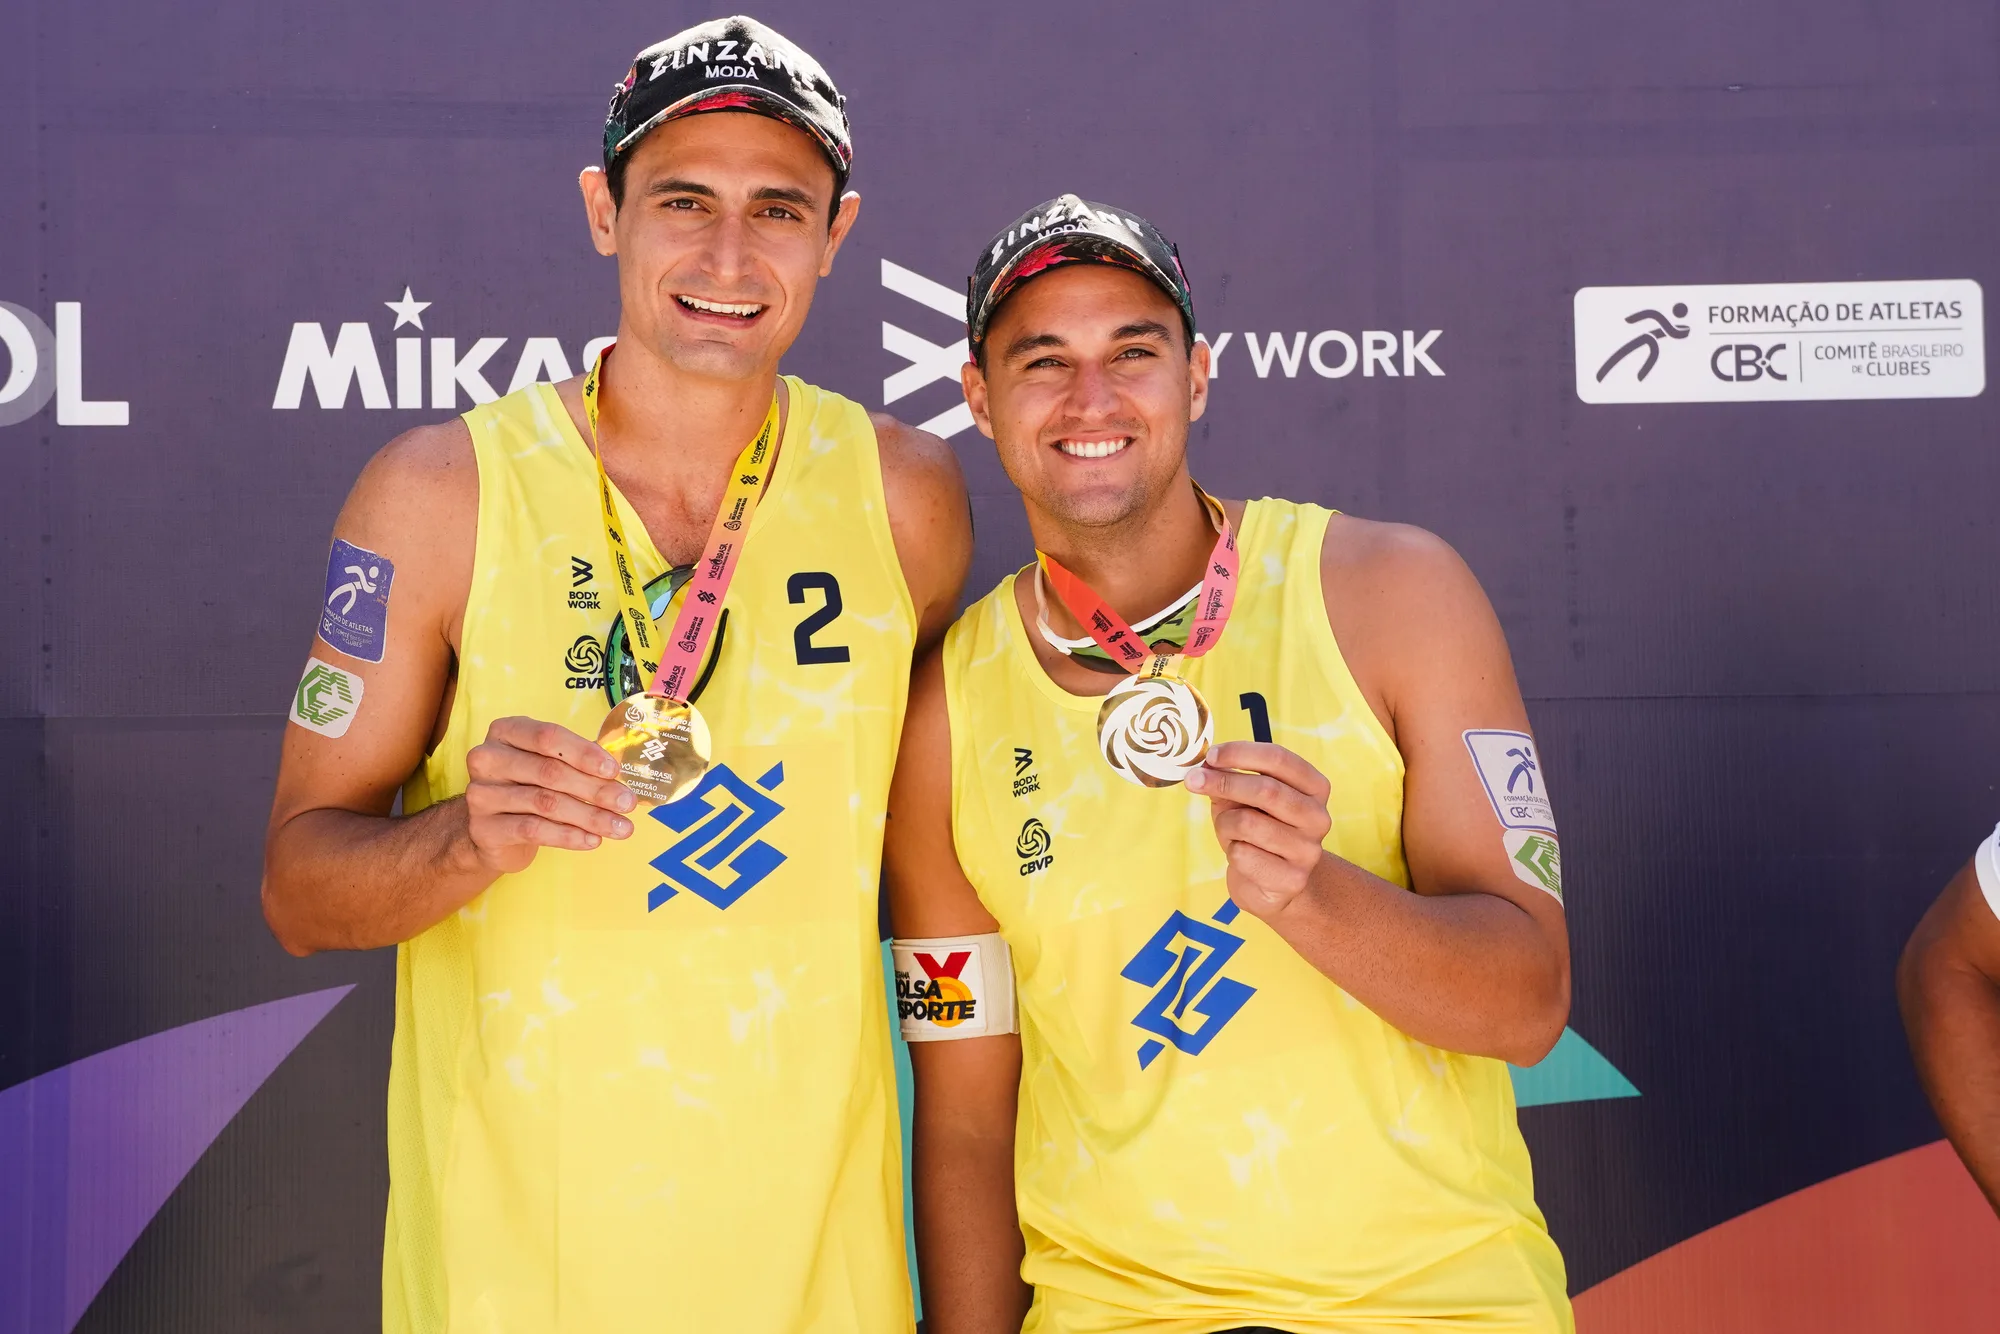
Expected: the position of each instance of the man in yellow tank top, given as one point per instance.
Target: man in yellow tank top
(1259, 1079)
(642, 1073)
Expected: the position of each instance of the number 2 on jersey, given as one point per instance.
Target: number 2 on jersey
(802, 636)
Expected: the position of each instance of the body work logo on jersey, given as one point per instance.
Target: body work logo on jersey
(584, 660)
(1183, 963)
(939, 996)
(581, 574)
(1026, 780)
(719, 858)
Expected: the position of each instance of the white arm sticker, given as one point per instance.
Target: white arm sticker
(954, 987)
(1986, 865)
(1512, 777)
(326, 699)
(1536, 859)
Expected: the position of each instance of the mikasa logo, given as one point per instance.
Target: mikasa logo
(353, 358)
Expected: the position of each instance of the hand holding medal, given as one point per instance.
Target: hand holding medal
(658, 738)
(1154, 728)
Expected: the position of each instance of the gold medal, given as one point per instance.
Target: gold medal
(661, 746)
(1154, 729)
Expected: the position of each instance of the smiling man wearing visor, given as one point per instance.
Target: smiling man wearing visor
(641, 1076)
(1226, 1037)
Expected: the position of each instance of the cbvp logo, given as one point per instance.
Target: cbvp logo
(42, 365)
(1032, 847)
(354, 360)
(720, 819)
(585, 663)
(1183, 962)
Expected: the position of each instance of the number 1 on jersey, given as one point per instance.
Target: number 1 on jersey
(1260, 716)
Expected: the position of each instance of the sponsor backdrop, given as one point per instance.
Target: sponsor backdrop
(1668, 317)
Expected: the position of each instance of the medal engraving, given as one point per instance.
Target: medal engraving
(661, 745)
(1154, 730)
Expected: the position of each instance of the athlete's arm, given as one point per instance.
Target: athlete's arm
(339, 871)
(930, 519)
(1476, 960)
(969, 1243)
(1949, 986)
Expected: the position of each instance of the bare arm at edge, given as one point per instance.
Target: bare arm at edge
(969, 1245)
(1948, 983)
(1475, 960)
(930, 519)
(339, 871)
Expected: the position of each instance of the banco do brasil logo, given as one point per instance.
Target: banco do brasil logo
(1032, 846)
(1183, 962)
(719, 857)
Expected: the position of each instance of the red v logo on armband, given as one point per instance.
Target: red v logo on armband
(952, 966)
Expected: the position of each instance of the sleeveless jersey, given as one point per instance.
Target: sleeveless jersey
(649, 1087)
(1211, 1133)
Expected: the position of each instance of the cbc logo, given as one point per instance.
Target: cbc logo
(1741, 363)
(41, 365)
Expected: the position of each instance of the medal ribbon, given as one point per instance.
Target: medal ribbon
(1125, 645)
(670, 664)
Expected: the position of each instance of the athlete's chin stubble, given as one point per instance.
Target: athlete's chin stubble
(711, 360)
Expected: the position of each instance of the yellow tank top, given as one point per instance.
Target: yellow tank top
(1211, 1133)
(649, 1087)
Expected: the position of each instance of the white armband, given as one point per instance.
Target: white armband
(1986, 865)
(954, 987)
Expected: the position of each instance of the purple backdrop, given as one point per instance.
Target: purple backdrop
(1756, 638)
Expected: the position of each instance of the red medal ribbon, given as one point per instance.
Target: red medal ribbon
(1119, 639)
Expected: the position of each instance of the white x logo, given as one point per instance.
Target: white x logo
(928, 361)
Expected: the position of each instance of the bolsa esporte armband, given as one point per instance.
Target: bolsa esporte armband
(954, 987)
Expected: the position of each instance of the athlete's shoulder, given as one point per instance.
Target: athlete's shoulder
(915, 459)
(985, 617)
(425, 471)
(1404, 606)
(417, 503)
(930, 517)
(1374, 560)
